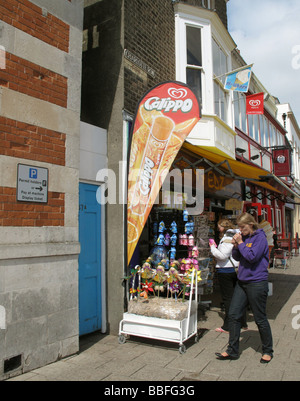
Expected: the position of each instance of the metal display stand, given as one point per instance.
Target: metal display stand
(176, 331)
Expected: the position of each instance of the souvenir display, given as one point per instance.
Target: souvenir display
(167, 239)
(185, 215)
(166, 285)
(173, 240)
(161, 227)
(174, 227)
(165, 273)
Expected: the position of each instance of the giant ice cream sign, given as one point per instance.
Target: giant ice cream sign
(164, 118)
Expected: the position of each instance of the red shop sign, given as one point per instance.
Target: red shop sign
(282, 162)
(255, 103)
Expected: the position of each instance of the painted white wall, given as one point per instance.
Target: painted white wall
(93, 151)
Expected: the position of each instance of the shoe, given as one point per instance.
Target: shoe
(245, 328)
(266, 361)
(227, 357)
(220, 330)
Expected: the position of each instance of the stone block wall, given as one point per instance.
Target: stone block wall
(39, 126)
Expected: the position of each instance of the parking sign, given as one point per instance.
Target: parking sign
(32, 184)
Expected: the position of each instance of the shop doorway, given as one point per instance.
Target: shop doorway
(90, 300)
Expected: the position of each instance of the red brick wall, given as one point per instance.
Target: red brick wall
(15, 214)
(33, 80)
(28, 17)
(28, 141)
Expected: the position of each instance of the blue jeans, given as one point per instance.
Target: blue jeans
(256, 295)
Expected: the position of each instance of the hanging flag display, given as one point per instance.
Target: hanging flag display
(255, 103)
(239, 80)
(281, 162)
(165, 116)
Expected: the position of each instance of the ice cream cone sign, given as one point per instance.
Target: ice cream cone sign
(239, 79)
(165, 116)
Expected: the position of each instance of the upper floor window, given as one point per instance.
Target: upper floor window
(253, 127)
(239, 101)
(195, 46)
(220, 68)
(194, 66)
(264, 131)
(258, 127)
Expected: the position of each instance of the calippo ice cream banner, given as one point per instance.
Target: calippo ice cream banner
(165, 116)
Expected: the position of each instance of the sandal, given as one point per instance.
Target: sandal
(262, 360)
(220, 330)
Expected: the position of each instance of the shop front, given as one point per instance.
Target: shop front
(169, 265)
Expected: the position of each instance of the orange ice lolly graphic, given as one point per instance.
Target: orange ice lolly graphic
(176, 140)
(155, 148)
(143, 176)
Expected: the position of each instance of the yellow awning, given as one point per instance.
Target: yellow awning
(240, 169)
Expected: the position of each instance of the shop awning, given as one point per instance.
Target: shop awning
(283, 188)
(234, 168)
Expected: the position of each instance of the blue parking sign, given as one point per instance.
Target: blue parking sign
(33, 173)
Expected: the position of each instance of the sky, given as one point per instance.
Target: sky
(267, 33)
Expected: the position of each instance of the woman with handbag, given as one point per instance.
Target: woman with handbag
(226, 268)
(252, 251)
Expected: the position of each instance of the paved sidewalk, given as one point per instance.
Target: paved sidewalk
(102, 358)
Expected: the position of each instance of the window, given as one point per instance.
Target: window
(194, 60)
(239, 101)
(266, 133)
(264, 213)
(248, 193)
(254, 127)
(262, 130)
(250, 126)
(278, 221)
(273, 219)
(272, 135)
(220, 102)
(195, 47)
(220, 69)
(280, 139)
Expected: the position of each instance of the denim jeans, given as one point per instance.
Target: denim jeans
(256, 295)
(227, 282)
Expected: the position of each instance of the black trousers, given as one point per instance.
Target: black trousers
(256, 295)
(227, 282)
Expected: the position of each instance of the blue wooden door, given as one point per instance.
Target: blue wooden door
(89, 260)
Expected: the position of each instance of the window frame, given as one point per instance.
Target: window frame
(219, 80)
(208, 34)
(181, 21)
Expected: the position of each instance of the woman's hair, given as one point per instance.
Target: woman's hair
(227, 224)
(247, 218)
